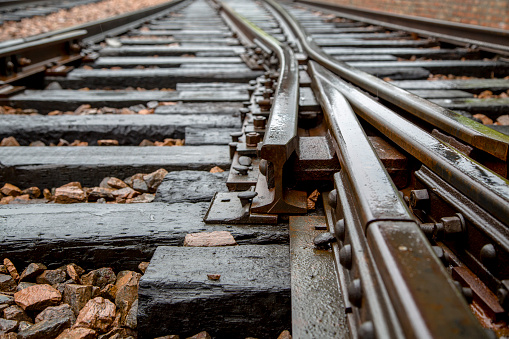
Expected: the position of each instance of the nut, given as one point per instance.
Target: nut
(252, 139)
(419, 199)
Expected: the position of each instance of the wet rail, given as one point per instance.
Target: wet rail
(349, 160)
(359, 185)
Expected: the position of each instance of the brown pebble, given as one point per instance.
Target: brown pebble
(107, 142)
(12, 269)
(216, 169)
(69, 194)
(503, 120)
(485, 120)
(37, 297)
(10, 190)
(146, 111)
(201, 335)
(33, 192)
(146, 142)
(214, 276)
(63, 142)
(71, 271)
(97, 314)
(78, 333)
(6, 200)
(47, 194)
(116, 183)
(285, 335)
(312, 199)
(10, 141)
(143, 266)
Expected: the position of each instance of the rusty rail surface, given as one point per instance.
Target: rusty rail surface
(486, 38)
(22, 60)
(478, 183)
(369, 206)
(392, 277)
(471, 132)
(280, 140)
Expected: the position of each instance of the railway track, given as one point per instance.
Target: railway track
(362, 149)
(16, 10)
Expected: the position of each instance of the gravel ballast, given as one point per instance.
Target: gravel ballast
(72, 17)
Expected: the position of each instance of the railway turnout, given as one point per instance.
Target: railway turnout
(359, 164)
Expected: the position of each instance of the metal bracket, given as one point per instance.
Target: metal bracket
(227, 208)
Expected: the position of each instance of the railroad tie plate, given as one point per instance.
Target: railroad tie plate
(227, 208)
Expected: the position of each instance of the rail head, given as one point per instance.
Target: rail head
(486, 38)
(375, 193)
(473, 133)
(280, 140)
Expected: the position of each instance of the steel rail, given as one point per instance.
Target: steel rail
(375, 194)
(473, 133)
(478, 183)
(99, 29)
(62, 40)
(280, 140)
(19, 61)
(486, 38)
(385, 221)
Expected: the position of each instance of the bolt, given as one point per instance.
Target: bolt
(241, 169)
(252, 82)
(450, 228)
(245, 161)
(323, 240)
(339, 229)
(236, 135)
(345, 256)
(488, 255)
(243, 112)
(333, 198)
(24, 62)
(428, 229)
(250, 89)
(252, 139)
(259, 121)
(367, 330)
(264, 103)
(263, 167)
(355, 292)
(246, 197)
(233, 149)
(453, 225)
(502, 295)
(246, 103)
(419, 199)
(267, 94)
